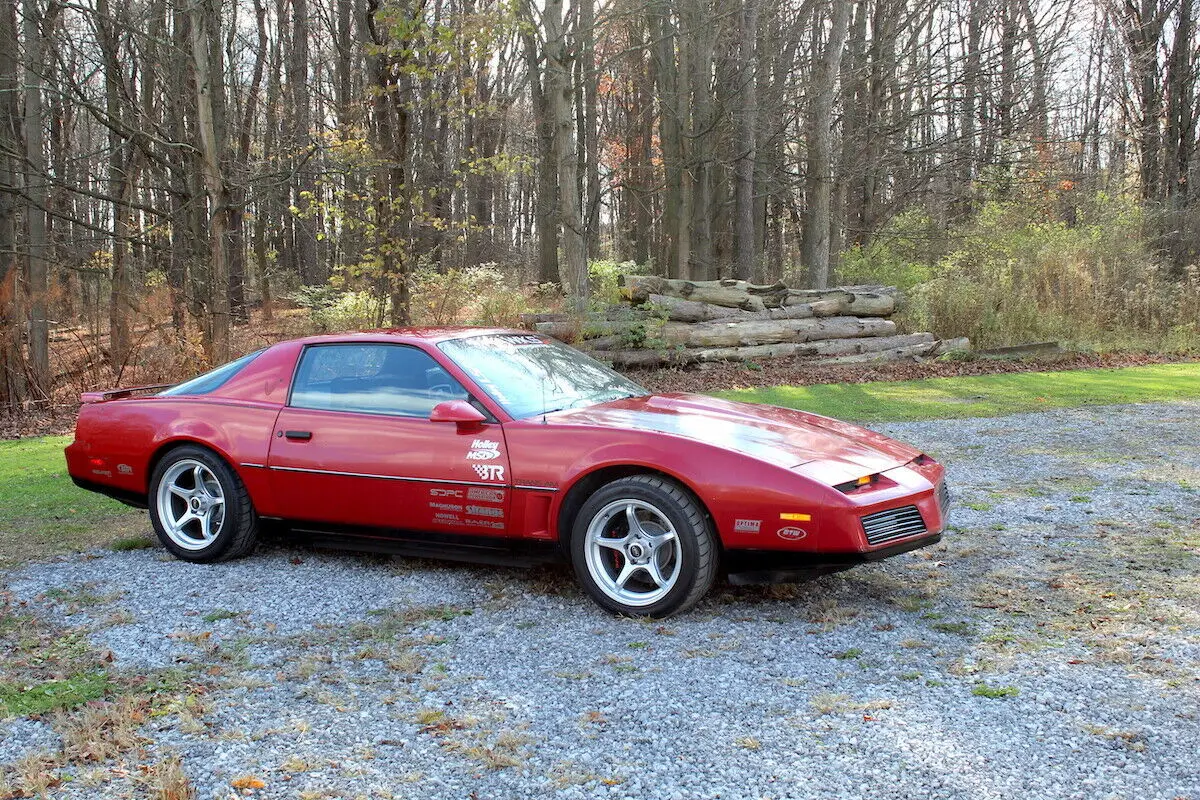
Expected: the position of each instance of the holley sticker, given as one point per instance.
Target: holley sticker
(483, 450)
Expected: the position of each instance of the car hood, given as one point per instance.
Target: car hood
(781, 436)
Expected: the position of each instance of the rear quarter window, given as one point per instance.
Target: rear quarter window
(211, 381)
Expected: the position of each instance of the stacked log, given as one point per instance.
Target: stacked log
(687, 322)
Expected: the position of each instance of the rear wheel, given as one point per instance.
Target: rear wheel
(641, 546)
(199, 507)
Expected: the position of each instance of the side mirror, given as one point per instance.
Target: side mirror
(460, 412)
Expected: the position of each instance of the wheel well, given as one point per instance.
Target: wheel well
(163, 449)
(586, 486)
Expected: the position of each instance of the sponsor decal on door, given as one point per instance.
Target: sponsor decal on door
(489, 472)
(483, 450)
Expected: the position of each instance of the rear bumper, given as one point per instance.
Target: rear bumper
(781, 566)
(124, 495)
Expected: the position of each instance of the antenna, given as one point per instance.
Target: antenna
(542, 384)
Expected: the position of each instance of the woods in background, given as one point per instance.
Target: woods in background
(217, 155)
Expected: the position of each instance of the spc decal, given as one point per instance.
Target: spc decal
(483, 450)
(485, 495)
(791, 534)
(489, 472)
(455, 493)
(747, 525)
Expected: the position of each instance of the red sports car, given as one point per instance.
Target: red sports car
(504, 446)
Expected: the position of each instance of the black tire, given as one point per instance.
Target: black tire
(200, 508)
(668, 563)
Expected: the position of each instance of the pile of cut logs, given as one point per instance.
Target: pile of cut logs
(687, 322)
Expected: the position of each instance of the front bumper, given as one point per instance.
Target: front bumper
(748, 567)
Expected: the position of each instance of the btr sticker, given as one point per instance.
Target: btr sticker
(747, 525)
(486, 495)
(791, 534)
(489, 472)
(483, 450)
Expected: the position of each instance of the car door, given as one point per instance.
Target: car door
(355, 446)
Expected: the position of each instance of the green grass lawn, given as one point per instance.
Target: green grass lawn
(983, 395)
(42, 513)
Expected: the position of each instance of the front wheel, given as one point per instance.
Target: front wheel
(641, 546)
(199, 507)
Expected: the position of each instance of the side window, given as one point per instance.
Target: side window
(372, 379)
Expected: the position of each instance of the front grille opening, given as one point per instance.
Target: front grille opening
(892, 524)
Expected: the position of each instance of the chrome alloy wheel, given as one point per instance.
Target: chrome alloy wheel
(632, 552)
(191, 504)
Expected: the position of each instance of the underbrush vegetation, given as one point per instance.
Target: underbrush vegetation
(1080, 271)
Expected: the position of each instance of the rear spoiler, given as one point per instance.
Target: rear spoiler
(117, 394)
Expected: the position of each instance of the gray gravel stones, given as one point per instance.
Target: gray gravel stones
(1048, 648)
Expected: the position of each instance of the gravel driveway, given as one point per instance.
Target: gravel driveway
(1049, 648)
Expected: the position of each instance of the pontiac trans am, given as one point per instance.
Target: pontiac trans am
(504, 446)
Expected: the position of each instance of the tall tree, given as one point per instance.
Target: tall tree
(829, 36)
(12, 357)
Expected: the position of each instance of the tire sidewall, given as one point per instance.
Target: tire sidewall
(229, 488)
(689, 550)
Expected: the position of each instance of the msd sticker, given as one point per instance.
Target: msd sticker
(791, 534)
(483, 450)
(747, 525)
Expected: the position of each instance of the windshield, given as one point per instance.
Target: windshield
(528, 374)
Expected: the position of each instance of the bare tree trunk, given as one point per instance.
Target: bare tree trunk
(312, 268)
(210, 125)
(559, 92)
(818, 213)
(35, 189)
(120, 298)
(590, 139)
(745, 256)
(12, 357)
(672, 114)
(966, 156)
(545, 202)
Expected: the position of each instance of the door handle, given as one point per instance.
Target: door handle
(298, 436)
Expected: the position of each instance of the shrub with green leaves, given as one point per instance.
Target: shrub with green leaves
(1018, 272)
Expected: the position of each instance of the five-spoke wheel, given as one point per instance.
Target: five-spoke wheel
(642, 546)
(191, 504)
(199, 507)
